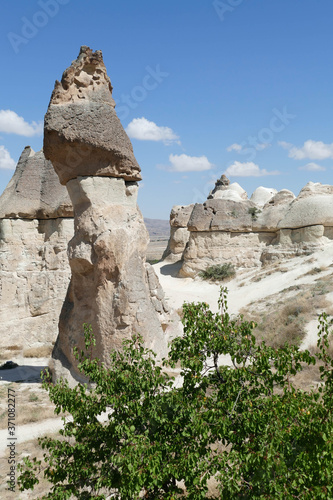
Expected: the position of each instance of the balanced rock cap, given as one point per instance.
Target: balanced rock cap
(82, 133)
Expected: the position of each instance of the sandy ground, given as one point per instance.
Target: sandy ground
(243, 290)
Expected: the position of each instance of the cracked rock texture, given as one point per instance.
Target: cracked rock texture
(82, 133)
(34, 191)
(36, 223)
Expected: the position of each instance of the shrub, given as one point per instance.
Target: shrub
(44, 351)
(254, 211)
(245, 424)
(219, 272)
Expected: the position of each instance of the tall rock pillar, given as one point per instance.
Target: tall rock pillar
(93, 157)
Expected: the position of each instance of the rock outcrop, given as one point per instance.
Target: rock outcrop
(82, 132)
(272, 225)
(262, 195)
(223, 190)
(36, 223)
(179, 234)
(92, 155)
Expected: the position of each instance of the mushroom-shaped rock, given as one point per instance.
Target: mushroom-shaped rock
(92, 154)
(220, 184)
(226, 191)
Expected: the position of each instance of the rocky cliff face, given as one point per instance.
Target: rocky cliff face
(36, 223)
(271, 225)
(91, 153)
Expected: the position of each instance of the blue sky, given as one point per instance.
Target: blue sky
(203, 87)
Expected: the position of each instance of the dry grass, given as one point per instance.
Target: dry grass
(313, 271)
(32, 404)
(29, 448)
(9, 351)
(308, 378)
(285, 323)
(43, 351)
(38, 352)
(284, 317)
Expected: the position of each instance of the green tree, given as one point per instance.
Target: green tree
(243, 422)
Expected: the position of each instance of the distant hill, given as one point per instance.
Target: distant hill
(158, 229)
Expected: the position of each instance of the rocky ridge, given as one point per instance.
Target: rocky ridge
(269, 226)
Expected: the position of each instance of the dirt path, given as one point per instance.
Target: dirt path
(29, 431)
(32, 431)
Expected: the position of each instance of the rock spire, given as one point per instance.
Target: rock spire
(93, 157)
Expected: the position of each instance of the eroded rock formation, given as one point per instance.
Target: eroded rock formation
(82, 132)
(36, 223)
(92, 155)
(179, 234)
(272, 225)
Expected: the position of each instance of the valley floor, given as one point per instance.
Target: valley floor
(258, 289)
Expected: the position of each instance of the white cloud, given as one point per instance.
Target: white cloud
(12, 123)
(313, 150)
(144, 130)
(285, 145)
(5, 159)
(259, 146)
(248, 169)
(185, 163)
(312, 167)
(262, 145)
(235, 147)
